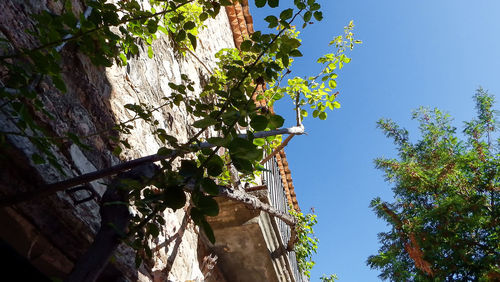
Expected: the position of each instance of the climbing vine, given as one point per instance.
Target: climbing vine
(306, 243)
(108, 33)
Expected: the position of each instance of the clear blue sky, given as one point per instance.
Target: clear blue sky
(429, 53)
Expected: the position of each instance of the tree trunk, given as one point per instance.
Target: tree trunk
(115, 218)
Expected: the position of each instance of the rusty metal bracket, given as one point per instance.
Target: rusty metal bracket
(92, 194)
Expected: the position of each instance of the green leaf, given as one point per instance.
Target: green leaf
(117, 151)
(322, 116)
(163, 30)
(246, 45)
(295, 53)
(300, 5)
(181, 35)
(123, 58)
(192, 39)
(153, 229)
(336, 104)
(172, 85)
(332, 83)
(208, 231)
(164, 151)
(209, 186)
(276, 121)
(208, 205)
(59, 83)
(273, 3)
(242, 148)
(150, 52)
(242, 123)
(259, 141)
(219, 141)
(206, 151)
(259, 122)
(203, 123)
(214, 166)
(174, 197)
(37, 159)
(270, 74)
(190, 169)
(272, 20)
(293, 42)
(307, 16)
(315, 6)
(256, 36)
(134, 49)
(286, 14)
(242, 165)
(203, 16)
(176, 19)
(260, 3)
(152, 26)
(189, 25)
(197, 216)
(318, 15)
(285, 60)
(230, 116)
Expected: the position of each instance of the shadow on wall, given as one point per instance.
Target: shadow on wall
(176, 239)
(53, 226)
(51, 234)
(59, 226)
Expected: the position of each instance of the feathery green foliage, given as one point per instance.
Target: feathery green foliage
(444, 222)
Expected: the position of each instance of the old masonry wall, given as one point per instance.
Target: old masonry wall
(53, 232)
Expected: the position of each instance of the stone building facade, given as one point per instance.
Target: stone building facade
(51, 234)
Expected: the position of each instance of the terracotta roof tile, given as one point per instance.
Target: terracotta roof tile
(233, 22)
(241, 23)
(241, 20)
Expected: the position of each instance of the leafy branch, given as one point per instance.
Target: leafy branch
(305, 243)
(225, 105)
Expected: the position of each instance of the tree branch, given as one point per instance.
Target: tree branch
(284, 143)
(115, 219)
(278, 149)
(254, 203)
(60, 43)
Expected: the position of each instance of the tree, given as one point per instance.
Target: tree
(330, 278)
(444, 222)
(109, 32)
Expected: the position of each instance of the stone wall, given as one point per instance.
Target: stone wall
(53, 232)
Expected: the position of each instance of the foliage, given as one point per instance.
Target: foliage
(317, 90)
(444, 221)
(330, 278)
(306, 244)
(108, 33)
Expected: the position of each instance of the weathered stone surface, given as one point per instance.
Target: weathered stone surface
(94, 102)
(246, 240)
